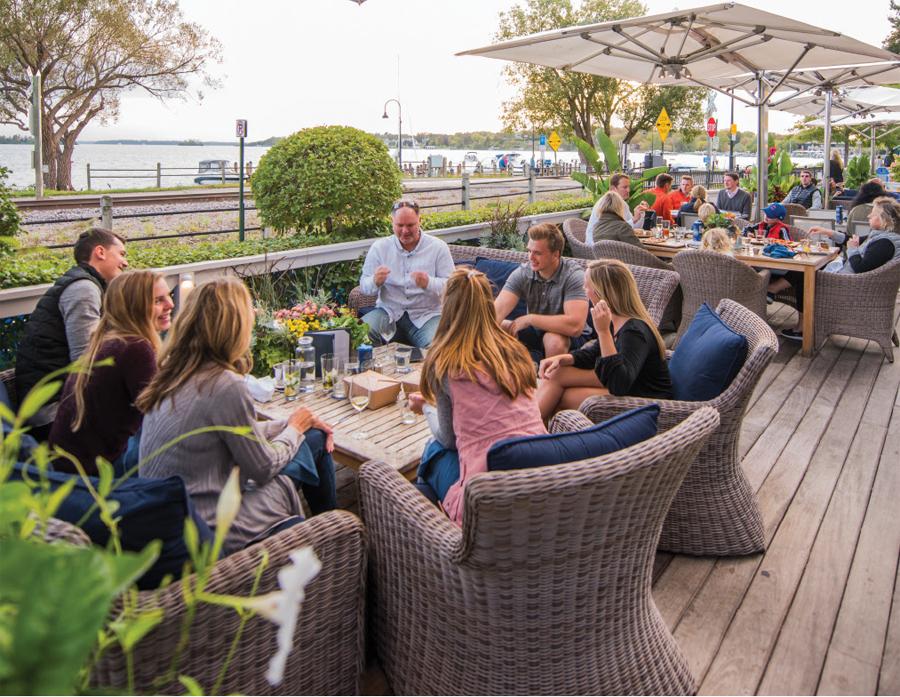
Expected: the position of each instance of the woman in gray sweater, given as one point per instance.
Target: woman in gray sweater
(200, 384)
(611, 225)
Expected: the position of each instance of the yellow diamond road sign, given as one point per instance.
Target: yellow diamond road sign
(663, 124)
(554, 141)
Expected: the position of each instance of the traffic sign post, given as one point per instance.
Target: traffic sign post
(711, 127)
(554, 142)
(663, 126)
(241, 133)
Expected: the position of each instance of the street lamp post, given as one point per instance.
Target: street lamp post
(399, 129)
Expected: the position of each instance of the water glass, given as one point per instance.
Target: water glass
(401, 358)
(291, 371)
(407, 415)
(278, 375)
(331, 369)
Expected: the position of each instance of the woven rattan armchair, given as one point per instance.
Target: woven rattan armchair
(545, 589)
(655, 286)
(792, 210)
(715, 511)
(328, 656)
(708, 277)
(575, 230)
(8, 378)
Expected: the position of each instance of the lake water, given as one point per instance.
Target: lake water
(180, 162)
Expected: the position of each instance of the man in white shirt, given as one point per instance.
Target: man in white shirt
(408, 272)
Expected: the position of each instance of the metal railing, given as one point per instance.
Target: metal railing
(158, 175)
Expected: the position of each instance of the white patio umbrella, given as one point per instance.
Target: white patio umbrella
(717, 46)
(868, 121)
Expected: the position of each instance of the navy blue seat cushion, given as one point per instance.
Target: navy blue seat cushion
(149, 509)
(708, 357)
(620, 432)
(497, 272)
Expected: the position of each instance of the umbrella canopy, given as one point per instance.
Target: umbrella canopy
(717, 46)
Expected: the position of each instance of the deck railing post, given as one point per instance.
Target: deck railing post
(106, 217)
(532, 186)
(223, 171)
(158, 176)
(89, 176)
(466, 204)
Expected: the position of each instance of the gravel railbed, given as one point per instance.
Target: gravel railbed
(183, 218)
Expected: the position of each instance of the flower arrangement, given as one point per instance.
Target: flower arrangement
(276, 333)
(723, 220)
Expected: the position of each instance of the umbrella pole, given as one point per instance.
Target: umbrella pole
(762, 151)
(826, 153)
(872, 150)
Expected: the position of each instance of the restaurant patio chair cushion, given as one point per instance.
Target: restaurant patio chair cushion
(149, 509)
(497, 272)
(618, 433)
(708, 357)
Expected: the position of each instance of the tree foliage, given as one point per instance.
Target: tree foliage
(892, 40)
(9, 218)
(327, 176)
(571, 102)
(88, 52)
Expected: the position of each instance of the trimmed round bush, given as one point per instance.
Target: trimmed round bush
(326, 178)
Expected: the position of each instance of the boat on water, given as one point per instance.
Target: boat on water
(471, 161)
(215, 171)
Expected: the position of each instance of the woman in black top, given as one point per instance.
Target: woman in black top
(836, 170)
(628, 358)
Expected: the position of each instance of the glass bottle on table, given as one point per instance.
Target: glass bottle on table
(306, 360)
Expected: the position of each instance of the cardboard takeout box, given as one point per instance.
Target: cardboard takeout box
(383, 389)
(411, 381)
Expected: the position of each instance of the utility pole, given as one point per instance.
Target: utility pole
(37, 160)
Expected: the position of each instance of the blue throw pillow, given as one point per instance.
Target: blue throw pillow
(497, 272)
(620, 432)
(708, 357)
(149, 509)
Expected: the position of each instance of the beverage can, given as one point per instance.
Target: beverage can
(839, 215)
(366, 357)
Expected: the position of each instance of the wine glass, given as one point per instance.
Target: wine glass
(359, 399)
(387, 328)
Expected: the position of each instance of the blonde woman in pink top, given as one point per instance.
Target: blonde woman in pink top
(482, 383)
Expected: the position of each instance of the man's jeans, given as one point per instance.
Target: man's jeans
(407, 332)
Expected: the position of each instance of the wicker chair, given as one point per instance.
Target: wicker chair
(8, 378)
(708, 277)
(545, 589)
(575, 231)
(655, 286)
(792, 210)
(328, 656)
(715, 511)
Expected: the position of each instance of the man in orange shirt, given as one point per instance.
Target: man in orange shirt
(663, 205)
(682, 195)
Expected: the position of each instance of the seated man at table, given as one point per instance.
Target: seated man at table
(807, 195)
(734, 199)
(553, 288)
(408, 272)
(663, 204)
(681, 195)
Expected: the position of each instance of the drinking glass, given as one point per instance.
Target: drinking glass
(407, 415)
(359, 399)
(291, 380)
(278, 375)
(401, 358)
(387, 328)
(666, 226)
(331, 369)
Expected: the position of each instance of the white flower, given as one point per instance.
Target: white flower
(281, 607)
(229, 504)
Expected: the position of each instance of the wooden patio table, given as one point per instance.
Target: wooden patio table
(807, 263)
(398, 444)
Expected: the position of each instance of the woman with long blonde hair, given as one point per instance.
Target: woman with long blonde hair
(97, 416)
(200, 383)
(478, 383)
(717, 240)
(628, 358)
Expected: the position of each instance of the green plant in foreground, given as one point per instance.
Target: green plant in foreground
(504, 230)
(857, 172)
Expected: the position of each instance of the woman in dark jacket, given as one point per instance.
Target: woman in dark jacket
(698, 198)
(611, 224)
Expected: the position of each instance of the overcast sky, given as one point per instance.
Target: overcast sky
(291, 65)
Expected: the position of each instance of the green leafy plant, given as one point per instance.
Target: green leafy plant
(504, 230)
(10, 219)
(323, 178)
(857, 172)
(780, 178)
(597, 186)
(722, 220)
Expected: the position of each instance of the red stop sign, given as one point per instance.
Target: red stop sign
(711, 127)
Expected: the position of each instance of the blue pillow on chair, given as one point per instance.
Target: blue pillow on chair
(497, 273)
(620, 432)
(149, 509)
(707, 359)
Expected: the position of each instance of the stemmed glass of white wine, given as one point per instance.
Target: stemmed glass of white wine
(359, 399)
(387, 328)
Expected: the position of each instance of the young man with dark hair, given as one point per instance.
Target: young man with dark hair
(734, 199)
(663, 204)
(683, 194)
(553, 288)
(59, 329)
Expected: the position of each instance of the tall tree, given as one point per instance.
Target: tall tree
(88, 52)
(892, 42)
(572, 102)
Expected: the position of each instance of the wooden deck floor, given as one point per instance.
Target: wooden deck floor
(819, 612)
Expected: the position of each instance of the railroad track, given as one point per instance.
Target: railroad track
(137, 199)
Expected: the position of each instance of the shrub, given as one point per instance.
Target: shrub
(323, 178)
(9, 218)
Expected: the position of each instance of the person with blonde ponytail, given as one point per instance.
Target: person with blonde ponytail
(97, 415)
(627, 360)
(200, 385)
(477, 383)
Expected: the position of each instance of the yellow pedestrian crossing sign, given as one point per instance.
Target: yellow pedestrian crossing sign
(554, 141)
(663, 124)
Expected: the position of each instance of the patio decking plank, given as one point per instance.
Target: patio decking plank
(889, 680)
(858, 643)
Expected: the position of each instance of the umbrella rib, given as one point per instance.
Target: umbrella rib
(615, 47)
(687, 33)
(618, 30)
(787, 74)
